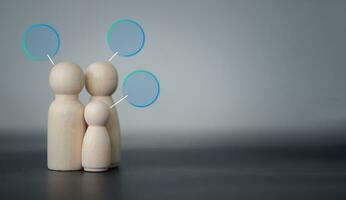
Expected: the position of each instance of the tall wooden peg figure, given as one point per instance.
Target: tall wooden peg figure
(96, 149)
(101, 83)
(66, 125)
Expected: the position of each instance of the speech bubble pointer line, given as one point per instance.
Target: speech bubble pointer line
(50, 59)
(111, 58)
(118, 101)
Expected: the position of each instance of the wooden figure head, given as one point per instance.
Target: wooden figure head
(96, 113)
(66, 78)
(101, 79)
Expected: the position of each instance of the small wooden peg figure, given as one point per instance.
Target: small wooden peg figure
(96, 149)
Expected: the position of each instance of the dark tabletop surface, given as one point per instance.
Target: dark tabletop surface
(228, 172)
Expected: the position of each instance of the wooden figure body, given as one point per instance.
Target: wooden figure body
(66, 125)
(101, 83)
(96, 149)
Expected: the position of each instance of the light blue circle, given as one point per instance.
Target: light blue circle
(39, 40)
(126, 37)
(142, 88)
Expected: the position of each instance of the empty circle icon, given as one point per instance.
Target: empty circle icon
(126, 38)
(40, 41)
(142, 88)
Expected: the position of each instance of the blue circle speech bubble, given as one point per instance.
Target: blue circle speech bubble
(39, 40)
(126, 37)
(142, 88)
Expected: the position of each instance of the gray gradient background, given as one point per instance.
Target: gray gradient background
(225, 67)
